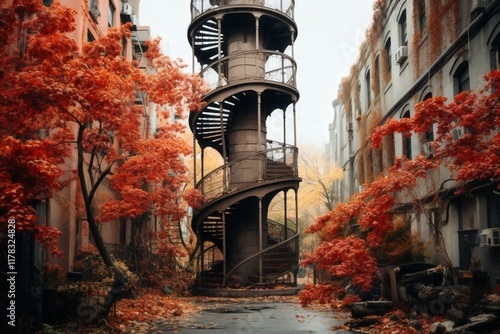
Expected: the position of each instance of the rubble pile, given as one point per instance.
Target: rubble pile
(458, 302)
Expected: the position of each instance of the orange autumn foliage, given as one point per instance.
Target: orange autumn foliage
(59, 101)
(476, 155)
(150, 305)
(362, 223)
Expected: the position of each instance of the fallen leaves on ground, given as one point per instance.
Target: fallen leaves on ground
(395, 322)
(139, 314)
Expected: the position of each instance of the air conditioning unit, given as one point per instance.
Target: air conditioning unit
(477, 7)
(401, 55)
(459, 132)
(490, 237)
(427, 150)
(126, 8)
(126, 12)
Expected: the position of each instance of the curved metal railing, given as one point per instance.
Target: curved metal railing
(279, 162)
(279, 232)
(211, 257)
(199, 7)
(269, 256)
(276, 66)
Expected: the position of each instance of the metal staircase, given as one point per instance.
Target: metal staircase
(243, 47)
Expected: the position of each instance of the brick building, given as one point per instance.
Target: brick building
(415, 50)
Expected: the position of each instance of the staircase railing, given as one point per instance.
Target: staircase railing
(280, 162)
(210, 257)
(279, 67)
(199, 7)
(269, 254)
(278, 232)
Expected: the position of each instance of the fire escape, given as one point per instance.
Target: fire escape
(245, 50)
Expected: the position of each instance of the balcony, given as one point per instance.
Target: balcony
(251, 66)
(277, 161)
(199, 7)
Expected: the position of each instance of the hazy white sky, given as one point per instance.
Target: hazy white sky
(329, 35)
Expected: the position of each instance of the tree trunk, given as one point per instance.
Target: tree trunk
(120, 277)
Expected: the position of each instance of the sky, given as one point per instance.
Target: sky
(329, 35)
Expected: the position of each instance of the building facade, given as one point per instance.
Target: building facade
(64, 210)
(415, 50)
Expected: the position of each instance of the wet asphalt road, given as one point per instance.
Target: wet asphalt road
(246, 317)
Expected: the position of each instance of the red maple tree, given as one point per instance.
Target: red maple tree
(352, 228)
(60, 101)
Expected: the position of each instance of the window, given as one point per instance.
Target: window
(94, 9)
(407, 140)
(422, 16)
(377, 76)
(497, 66)
(496, 48)
(111, 14)
(368, 90)
(358, 106)
(389, 55)
(90, 37)
(403, 29)
(47, 3)
(462, 79)
(493, 210)
(429, 135)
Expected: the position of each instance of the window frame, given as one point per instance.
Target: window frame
(461, 78)
(388, 51)
(403, 28)
(407, 144)
(111, 14)
(422, 16)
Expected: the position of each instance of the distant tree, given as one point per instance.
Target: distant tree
(318, 190)
(58, 101)
(319, 179)
(354, 227)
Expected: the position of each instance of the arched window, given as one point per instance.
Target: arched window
(497, 58)
(422, 16)
(388, 51)
(427, 150)
(403, 29)
(407, 140)
(461, 78)
(494, 46)
(111, 14)
(368, 90)
(376, 76)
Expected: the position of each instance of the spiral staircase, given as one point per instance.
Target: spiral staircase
(243, 48)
